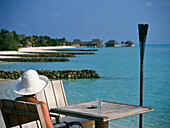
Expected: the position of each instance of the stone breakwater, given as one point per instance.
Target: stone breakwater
(31, 59)
(52, 74)
(73, 49)
(41, 55)
(72, 53)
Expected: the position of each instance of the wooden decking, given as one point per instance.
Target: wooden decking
(109, 111)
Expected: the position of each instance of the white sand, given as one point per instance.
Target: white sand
(43, 48)
(32, 49)
(35, 49)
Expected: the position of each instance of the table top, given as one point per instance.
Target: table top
(109, 111)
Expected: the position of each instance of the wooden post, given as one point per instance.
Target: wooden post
(142, 38)
(99, 124)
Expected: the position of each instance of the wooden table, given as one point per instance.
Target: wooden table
(109, 111)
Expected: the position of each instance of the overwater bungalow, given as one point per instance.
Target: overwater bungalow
(128, 44)
(93, 43)
(112, 43)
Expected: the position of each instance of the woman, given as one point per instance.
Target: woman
(29, 84)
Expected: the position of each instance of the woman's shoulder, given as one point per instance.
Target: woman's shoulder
(27, 99)
(30, 99)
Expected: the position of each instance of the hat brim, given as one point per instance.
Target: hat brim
(19, 89)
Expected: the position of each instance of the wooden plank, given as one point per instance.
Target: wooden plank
(41, 117)
(50, 97)
(77, 114)
(118, 110)
(99, 124)
(19, 112)
(21, 106)
(110, 111)
(12, 119)
(59, 93)
(88, 124)
(64, 94)
(4, 114)
(127, 113)
(41, 96)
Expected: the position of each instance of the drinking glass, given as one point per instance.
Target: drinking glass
(99, 106)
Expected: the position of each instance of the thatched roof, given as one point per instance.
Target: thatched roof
(77, 41)
(96, 41)
(112, 42)
(129, 42)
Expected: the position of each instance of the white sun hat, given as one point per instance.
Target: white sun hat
(30, 83)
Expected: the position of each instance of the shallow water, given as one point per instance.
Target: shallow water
(119, 82)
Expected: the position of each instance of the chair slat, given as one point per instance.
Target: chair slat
(49, 92)
(59, 93)
(19, 112)
(22, 107)
(12, 119)
(41, 117)
(41, 96)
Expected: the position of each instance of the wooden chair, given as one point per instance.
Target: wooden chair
(19, 114)
(54, 96)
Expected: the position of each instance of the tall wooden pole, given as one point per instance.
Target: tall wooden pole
(142, 38)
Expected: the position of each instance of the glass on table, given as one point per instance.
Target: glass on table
(99, 106)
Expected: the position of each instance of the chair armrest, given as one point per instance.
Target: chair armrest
(56, 116)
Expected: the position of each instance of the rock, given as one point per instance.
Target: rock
(53, 74)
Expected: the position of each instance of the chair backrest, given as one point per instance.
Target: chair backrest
(18, 113)
(53, 95)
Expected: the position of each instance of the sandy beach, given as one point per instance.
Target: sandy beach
(32, 49)
(39, 49)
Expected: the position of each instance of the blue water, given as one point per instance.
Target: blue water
(119, 82)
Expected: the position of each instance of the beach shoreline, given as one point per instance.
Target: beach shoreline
(35, 49)
(30, 49)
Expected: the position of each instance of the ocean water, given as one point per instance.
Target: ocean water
(119, 82)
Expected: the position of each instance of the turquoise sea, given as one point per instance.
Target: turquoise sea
(119, 82)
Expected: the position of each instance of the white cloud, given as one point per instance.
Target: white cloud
(165, 3)
(23, 25)
(56, 15)
(148, 3)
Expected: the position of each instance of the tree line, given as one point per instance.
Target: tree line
(10, 41)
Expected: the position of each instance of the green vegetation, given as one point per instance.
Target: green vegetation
(11, 41)
(46, 41)
(7, 43)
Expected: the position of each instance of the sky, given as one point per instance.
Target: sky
(88, 19)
